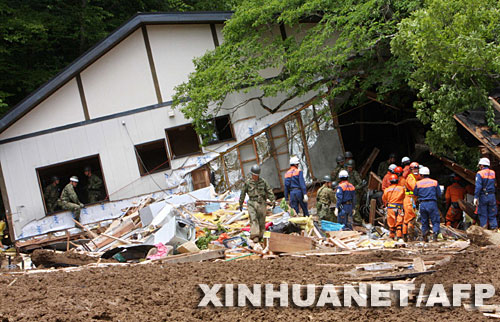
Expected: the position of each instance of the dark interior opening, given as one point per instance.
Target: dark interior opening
(222, 130)
(65, 170)
(389, 129)
(152, 157)
(183, 141)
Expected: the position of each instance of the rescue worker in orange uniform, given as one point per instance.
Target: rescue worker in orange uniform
(454, 193)
(405, 164)
(393, 199)
(390, 171)
(399, 172)
(409, 203)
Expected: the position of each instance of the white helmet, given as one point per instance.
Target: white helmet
(425, 171)
(74, 179)
(343, 174)
(484, 161)
(294, 160)
(405, 159)
(392, 167)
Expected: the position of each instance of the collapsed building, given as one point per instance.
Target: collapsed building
(111, 110)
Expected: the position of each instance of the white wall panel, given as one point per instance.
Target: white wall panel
(173, 48)
(63, 107)
(120, 80)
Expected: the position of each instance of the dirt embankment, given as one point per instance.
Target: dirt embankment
(163, 292)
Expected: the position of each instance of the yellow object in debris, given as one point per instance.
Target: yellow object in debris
(305, 222)
(206, 217)
(233, 206)
(390, 244)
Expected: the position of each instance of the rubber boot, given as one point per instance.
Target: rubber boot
(435, 237)
(426, 238)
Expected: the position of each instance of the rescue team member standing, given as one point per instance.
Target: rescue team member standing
(325, 198)
(94, 186)
(258, 191)
(382, 167)
(51, 194)
(409, 203)
(484, 195)
(340, 166)
(454, 193)
(385, 180)
(405, 163)
(427, 191)
(346, 198)
(69, 198)
(393, 199)
(295, 187)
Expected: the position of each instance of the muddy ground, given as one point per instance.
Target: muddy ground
(169, 292)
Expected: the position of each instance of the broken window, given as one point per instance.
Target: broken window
(152, 157)
(222, 130)
(183, 141)
(63, 171)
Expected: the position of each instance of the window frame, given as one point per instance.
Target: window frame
(231, 128)
(139, 164)
(171, 151)
(41, 188)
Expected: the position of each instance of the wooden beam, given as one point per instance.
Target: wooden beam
(368, 163)
(255, 150)
(373, 210)
(496, 105)
(196, 257)
(283, 243)
(151, 64)
(82, 97)
(224, 168)
(241, 162)
(306, 148)
(335, 120)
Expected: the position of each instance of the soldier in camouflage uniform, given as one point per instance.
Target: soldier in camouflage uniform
(51, 194)
(340, 166)
(384, 165)
(69, 199)
(324, 198)
(94, 186)
(258, 191)
(357, 182)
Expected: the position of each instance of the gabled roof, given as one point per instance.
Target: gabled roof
(100, 49)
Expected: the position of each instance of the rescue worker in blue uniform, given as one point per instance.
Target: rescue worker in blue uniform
(295, 187)
(484, 195)
(346, 199)
(427, 191)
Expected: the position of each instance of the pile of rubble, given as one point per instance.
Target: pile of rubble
(202, 226)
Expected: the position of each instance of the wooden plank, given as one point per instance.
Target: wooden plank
(117, 231)
(91, 233)
(368, 163)
(419, 264)
(241, 162)
(197, 257)
(374, 182)
(283, 243)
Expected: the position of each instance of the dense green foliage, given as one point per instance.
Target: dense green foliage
(39, 38)
(359, 60)
(454, 50)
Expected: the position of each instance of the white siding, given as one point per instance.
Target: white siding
(120, 80)
(63, 107)
(173, 48)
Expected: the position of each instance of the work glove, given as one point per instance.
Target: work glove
(305, 198)
(475, 202)
(336, 211)
(81, 204)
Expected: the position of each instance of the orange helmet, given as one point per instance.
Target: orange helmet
(393, 178)
(398, 170)
(414, 165)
